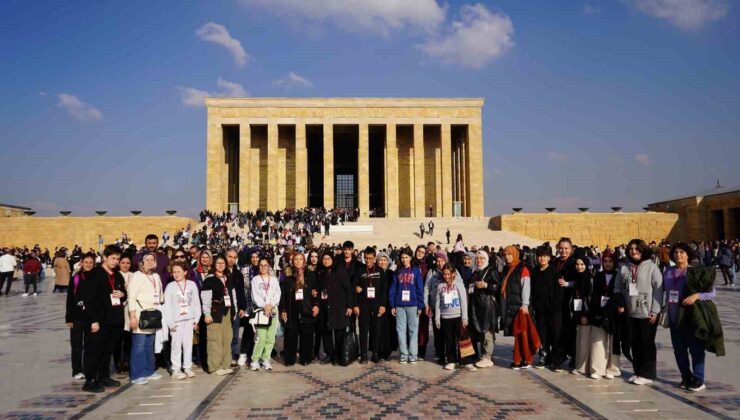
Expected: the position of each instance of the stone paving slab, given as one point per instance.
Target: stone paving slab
(36, 383)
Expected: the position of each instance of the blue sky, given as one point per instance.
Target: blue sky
(588, 103)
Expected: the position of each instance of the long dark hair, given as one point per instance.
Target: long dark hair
(213, 265)
(645, 252)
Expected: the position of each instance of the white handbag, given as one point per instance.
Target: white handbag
(260, 319)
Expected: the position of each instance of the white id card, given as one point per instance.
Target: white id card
(371, 293)
(324, 295)
(183, 309)
(449, 297)
(299, 294)
(673, 296)
(227, 301)
(604, 300)
(114, 301)
(633, 289)
(471, 288)
(405, 295)
(577, 305)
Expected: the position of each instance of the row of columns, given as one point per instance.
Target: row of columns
(417, 190)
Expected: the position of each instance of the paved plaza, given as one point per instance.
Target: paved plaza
(36, 383)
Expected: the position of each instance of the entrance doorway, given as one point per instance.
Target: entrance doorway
(346, 142)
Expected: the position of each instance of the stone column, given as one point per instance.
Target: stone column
(272, 167)
(215, 166)
(301, 166)
(391, 171)
(245, 145)
(419, 196)
(446, 139)
(328, 166)
(363, 170)
(475, 164)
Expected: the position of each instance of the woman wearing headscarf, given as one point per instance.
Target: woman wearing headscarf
(581, 306)
(482, 288)
(641, 285)
(515, 290)
(388, 336)
(336, 302)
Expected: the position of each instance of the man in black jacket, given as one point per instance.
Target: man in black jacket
(371, 296)
(546, 305)
(103, 295)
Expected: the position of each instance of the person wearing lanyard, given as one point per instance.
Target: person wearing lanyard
(641, 285)
(219, 310)
(603, 319)
(581, 310)
(144, 292)
(372, 296)
(181, 310)
(684, 287)
(266, 295)
(298, 310)
(388, 336)
(406, 299)
(336, 298)
(75, 316)
(450, 311)
(123, 350)
(103, 295)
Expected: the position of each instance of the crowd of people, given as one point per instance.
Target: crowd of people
(221, 304)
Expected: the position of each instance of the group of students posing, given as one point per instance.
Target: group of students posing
(558, 310)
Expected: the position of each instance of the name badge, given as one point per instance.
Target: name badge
(604, 300)
(673, 296)
(184, 309)
(114, 301)
(577, 305)
(405, 295)
(371, 293)
(227, 301)
(449, 297)
(471, 288)
(324, 295)
(299, 294)
(633, 289)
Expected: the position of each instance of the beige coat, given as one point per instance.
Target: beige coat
(61, 271)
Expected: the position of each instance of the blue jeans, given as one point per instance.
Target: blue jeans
(142, 356)
(235, 338)
(406, 317)
(684, 342)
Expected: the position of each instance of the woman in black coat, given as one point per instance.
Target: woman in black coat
(482, 312)
(299, 307)
(336, 302)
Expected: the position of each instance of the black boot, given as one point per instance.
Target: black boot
(93, 386)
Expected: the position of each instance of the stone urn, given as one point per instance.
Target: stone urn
(136, 212)
(550, 209)
(101, 212)
(517, 209)
(616, 209)
(171, 212)
(583, 209)
(65, 212)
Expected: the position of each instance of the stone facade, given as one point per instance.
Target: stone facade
(708, 215)
(7, 210)
(600, 229)
(431, 153)
(51, 232)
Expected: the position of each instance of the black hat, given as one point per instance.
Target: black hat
(348, 244)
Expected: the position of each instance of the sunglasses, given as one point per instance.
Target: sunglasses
(179, 257)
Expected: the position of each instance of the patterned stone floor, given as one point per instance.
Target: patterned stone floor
(36, 383)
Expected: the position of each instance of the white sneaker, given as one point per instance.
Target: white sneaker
(228, 371)
(254, 366)
(242, 360)
(219, 372)
(189, 373)
(609, 376)
(35, 294)
(594, 376)
(450, 366)
(178, 375)
(267, 365)
(471, 368)
(642, 381)
(140, 381)
(79, 376)
(25, 295)
(154, 376)
(632, 379)
(485, 363)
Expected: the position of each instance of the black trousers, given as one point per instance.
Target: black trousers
(726, 275)
(370, 324)
(439, 341)
(293, 333)
(549, 326)
(6, 276)
(76, 334)
(247, 344)
(98, 349)
(450, 330)
(333, 340)
(643, 347)
(202, 344)
(31, 279)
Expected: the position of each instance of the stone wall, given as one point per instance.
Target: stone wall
(591, 228)
(50, 232)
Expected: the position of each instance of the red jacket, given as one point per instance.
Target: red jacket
(32, 265)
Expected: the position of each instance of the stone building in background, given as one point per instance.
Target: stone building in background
(391, 157)
(9, 210)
